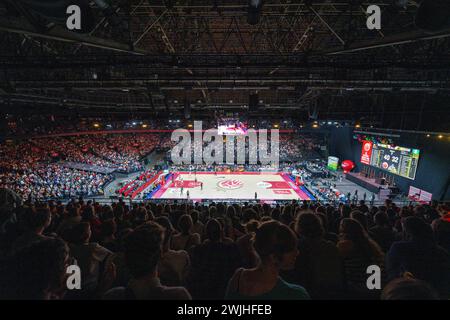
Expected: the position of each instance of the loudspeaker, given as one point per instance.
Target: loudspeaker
(253, 102)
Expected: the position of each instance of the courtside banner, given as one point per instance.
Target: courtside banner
(366, 152)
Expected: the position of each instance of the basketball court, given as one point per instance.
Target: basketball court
(231, 185)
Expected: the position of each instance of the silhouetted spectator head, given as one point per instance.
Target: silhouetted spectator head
(214, 230)
(143, 248)
(417, 229)
(275, 214)
(252, 226)
(108, 228)
(212, 211)
(324, 221)
(231, 212)
(249, 214)
(309, 226)
(381, 219)
(36, 272)
(194, 215)
(88, 213)
(345, 211)
(38, 219)
(361, 217)
(390, 213)
(119, 211)
(321, 209)
(351, 229)
(168, 228)
(185, 224)
(107, 212)
(141, 215)
(419, 211)
(80, 233)
(73, 210)
(408, 289)
(276, 244)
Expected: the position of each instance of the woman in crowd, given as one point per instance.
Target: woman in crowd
(318, 267)
(276, 246)
(143, 248)
(174, 264)
(212, 264)
(359, 252)
(185, 240)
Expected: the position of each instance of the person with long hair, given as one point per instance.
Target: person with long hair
(318, 266)
(276, 246)
(359, 252)
(173, 265)
(212, 263)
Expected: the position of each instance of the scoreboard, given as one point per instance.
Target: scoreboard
(397, 160)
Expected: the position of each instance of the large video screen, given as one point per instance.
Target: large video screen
(232, 127)
(394, 159)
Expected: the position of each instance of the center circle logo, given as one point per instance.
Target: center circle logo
(230, 184)
(367, 146)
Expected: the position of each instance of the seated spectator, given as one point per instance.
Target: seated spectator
(36, 272)
(382, 232)
(71, 219)
(91, 257)
(174, 264)
(225, 227)
(142, 255)
(212, 264)
(276, 246)
(327, 235)
(245, 244)
(361, 218)
(358, 252)
(140, 216)
(318, 266)
(441, 229)
(108, 235)
(408, 289)
(197, 225)
(89, 216)
(419, 255)
(37, 221)
(185, 240)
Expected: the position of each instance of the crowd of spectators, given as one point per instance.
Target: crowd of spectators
(36, 167)
(301, 250)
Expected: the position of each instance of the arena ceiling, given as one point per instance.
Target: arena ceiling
(313, 59)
